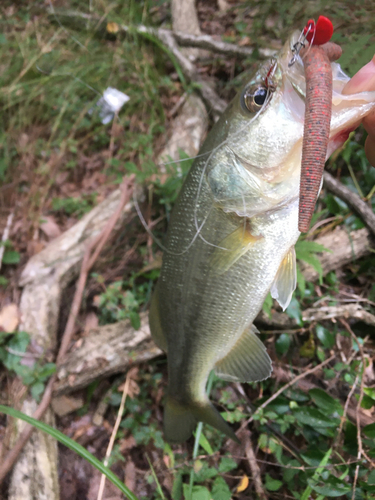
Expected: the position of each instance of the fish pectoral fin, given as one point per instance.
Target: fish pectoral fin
(180, 420)
(232, 247)
(155, 323)
(286, 280)
(247, 361)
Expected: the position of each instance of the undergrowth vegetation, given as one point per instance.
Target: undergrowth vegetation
(58, 160)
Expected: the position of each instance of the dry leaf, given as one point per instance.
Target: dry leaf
(113, 28)
(243, 484)
(91, 322)
(134, 389)
(245, 41)
(62, 405)
(49, 227)
(9, 318)
(130, 475)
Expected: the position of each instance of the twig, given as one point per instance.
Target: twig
(285, 387)
(354, 311)
(87, 263)
(343, 418)
(352, 200)
(114, 432)
(5, 236)
(255, 470)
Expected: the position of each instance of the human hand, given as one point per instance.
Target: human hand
(364, 80)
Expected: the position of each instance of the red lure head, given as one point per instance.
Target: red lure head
(319, 33)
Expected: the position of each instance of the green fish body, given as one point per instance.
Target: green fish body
(231, 239)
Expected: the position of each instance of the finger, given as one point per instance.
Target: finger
(363, 80)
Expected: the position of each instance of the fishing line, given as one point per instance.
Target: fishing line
(157, 241)
(52, 73)
(63, 27)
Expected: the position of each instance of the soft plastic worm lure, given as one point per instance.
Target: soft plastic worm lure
(318, 105)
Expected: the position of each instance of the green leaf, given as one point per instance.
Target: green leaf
(283, 344)
(314, 418)
(272, 484)
(370, 392)
(227, 464)
(301, 282)
(369, 431)
(11, 257)
(135, 320)
(318, 472)
(367, 402)
(77, 448)
(220, 490)
(371, 478)
(177, 487)
(267, 305)
(325, 336)
(312, 260)
(198, 493)
(36, 390)
(294, 310)
(3, 281)
(310, 246)
(203, 441)
(331, 487)
(45, 371)
(325, 402)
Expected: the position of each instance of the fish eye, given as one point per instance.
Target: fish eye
(254, 97)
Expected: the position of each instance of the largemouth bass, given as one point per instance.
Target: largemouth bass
(231, 238)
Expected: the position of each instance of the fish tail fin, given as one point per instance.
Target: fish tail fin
(181, 420)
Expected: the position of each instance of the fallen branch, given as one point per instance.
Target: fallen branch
(346, 311)
(352, 200)
(105, 351)
(345, 248)
(202, 41)
(91, 254)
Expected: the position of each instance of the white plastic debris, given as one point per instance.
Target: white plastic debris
(111, 103)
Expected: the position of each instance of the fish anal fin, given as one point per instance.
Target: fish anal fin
(286, 279)
(247, 361)
(155, 323)
(232, 248)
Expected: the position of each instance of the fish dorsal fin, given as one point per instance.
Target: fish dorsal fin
(286, 279)
(155, 324)
(247, 361)
(232, 247)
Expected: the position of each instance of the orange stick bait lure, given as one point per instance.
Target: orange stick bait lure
(318, 104)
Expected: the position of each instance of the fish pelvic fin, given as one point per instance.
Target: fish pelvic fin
(233, 247)
(155, 323)
(180, 420)
(286, 279)
(247, 361)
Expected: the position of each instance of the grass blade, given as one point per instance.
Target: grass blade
(69, 443)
